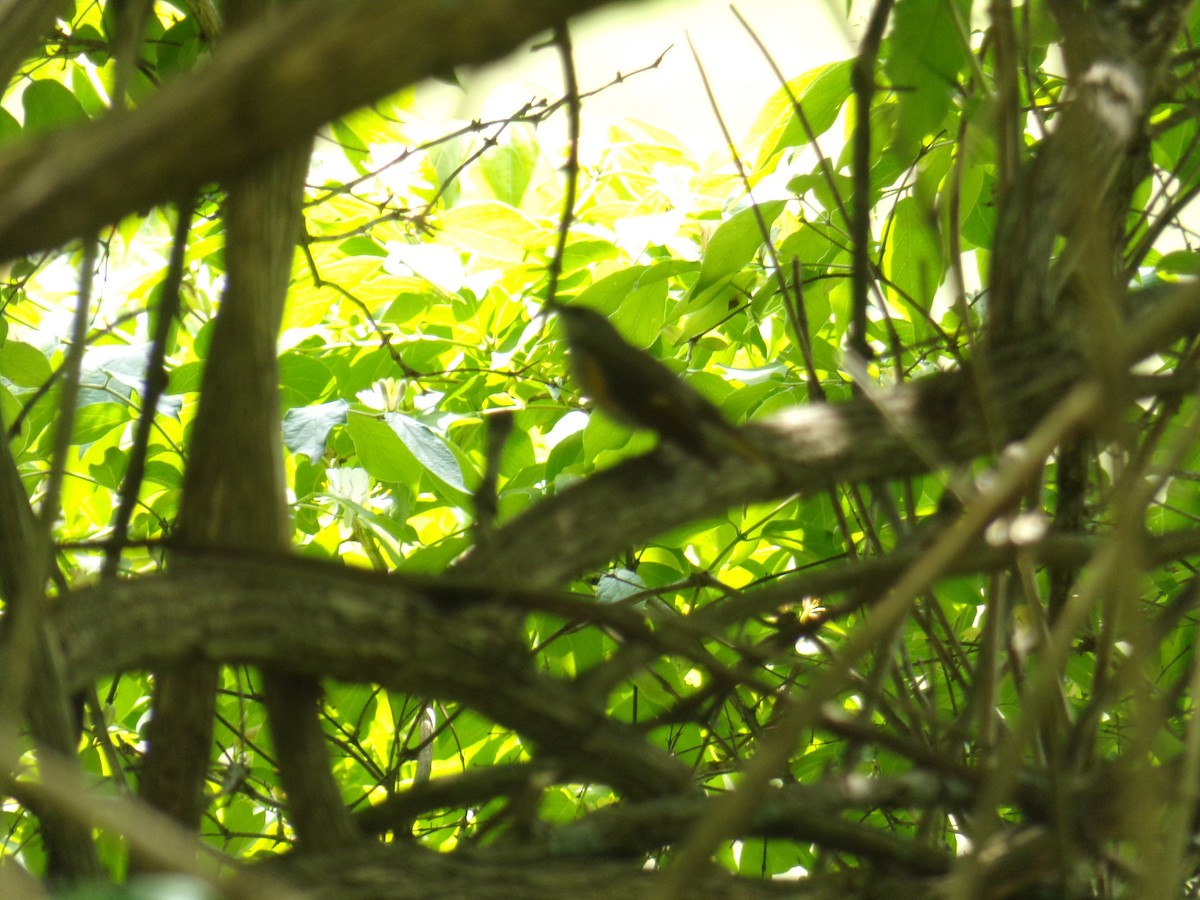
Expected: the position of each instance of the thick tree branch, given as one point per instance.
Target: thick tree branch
(235, 496)
(1088, 166)
(933, 422)
(266, 88)
(24, 556)
(355, 627)
(22, 23)
(400, 872)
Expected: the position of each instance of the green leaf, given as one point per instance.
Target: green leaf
(306, 429)
(397, 448)
(10, 408)
(913, 261)
(446, 161)
(927, 53)
(179, 48)
(509, 167)
(361, 245)
(85, 92)
(23, 365)
(809, 245)
(585, 254)
(163, 473)
(435, 558)
(152, 35)
(1179, 262)
(635, 302)
(430, 450)
(602, 437)
(822, 93)
(97, 47)
(110, 470)
(380, 451)
(303, 379)
(408, 305)
(735, 242)
(95, 420)
(49, 106)
(490, 229)
(10, 128)
(566, 453)
(618, 585)
(353, 147)
(979, 225)
(186, 379)
(635, 299)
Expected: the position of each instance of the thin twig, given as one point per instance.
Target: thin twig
(156, 384)
(862, 79)
(562, 38)
(735, 156)
(827, 172)
(733, 810)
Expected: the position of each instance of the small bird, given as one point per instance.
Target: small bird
(636, 389)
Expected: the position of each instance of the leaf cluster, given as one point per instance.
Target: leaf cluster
(939, 632)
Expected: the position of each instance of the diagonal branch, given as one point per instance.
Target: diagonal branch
(356, 627)
(265, 89)
(812, 448)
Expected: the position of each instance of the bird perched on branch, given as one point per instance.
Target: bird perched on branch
(633, 387)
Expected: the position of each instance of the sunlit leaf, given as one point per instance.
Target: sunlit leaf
(509, 167)
(490, 229)
(429, 449)
(929, 50)
(379, 450)
(821, 93)
(735, 242)
(23, 365)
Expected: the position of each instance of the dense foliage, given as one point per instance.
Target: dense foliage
(933, 636)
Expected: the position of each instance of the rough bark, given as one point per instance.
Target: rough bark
(27, 645)
(22, 23)
(235, 496)
(394, 873)
(317, 621)
(1088, 167)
